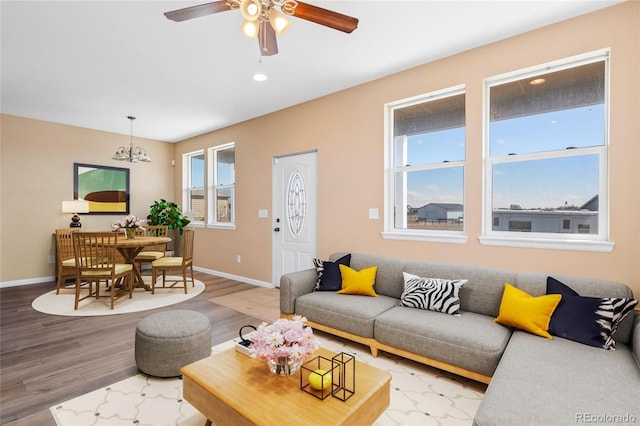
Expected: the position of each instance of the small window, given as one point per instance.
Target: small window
(193, 188)
(584, 229)
(222, 161)
(520, 225)
(547, 152)
(425, 166)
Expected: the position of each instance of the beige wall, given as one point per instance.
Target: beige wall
(347, 130)
(37, 174)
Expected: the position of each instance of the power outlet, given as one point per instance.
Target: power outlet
(52, 259)
(238, 259)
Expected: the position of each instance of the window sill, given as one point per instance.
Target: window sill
(565, 244)
(431, 238)
(217, 226)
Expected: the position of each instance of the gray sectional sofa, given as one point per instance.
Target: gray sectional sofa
(532, 380)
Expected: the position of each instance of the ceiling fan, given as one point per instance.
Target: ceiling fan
(263, 21)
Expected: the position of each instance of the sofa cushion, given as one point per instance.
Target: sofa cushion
(358, 282)
(521, 310)
(434, 294)
(560, 382)
(343, 311)
(389, 280)
(481, 293)
(329, 277)
(588, 320)
(535, 284)
(471, 341)
(635, 341)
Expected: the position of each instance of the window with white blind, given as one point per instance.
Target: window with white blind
(193, 185)
(424, 164)
(546, 144)
(221, 185)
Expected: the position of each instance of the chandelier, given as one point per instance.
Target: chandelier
(256, 12)
(131, 154)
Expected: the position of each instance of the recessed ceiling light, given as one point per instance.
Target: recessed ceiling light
(537, 81)
(259, 77)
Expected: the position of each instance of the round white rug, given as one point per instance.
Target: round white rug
(142, 300)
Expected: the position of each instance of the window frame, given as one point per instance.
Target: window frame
(186, 186)
(390, 229)
(561, 240)
(213, 186)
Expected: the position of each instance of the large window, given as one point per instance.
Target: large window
(222, 182)
(546, 162)
(425, 167)
(193, 188)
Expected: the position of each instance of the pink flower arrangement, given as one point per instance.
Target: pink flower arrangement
(129, 222)
(283, 339)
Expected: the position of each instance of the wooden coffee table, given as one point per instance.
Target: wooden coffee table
(230, 388)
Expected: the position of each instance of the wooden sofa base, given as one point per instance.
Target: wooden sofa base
(375, 347)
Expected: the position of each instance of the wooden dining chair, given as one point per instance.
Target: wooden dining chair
(95, 262)
(153, 252)
(181, 263)
(65, 260)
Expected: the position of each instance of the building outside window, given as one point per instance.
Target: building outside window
(193, 188)
(546, 163)
(221, 185)
(425, 154)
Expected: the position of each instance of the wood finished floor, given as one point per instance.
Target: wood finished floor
(47, 359)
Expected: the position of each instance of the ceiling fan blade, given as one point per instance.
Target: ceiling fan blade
(267, 39)
(325, 17)
(197, 11)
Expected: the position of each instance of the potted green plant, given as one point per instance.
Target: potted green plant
(170, 214)
(167, 213)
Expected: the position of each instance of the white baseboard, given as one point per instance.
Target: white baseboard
(234, 277)
(29, 281)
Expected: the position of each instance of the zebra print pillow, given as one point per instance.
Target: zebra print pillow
(433, 294)
(588, 320)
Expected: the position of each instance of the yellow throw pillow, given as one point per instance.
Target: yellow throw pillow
(358, 282)
(521, 310)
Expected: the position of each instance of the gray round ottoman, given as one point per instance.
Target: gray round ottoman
(169, 340)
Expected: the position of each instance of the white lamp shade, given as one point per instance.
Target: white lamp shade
(279, 22)
(250, 29)
(75, 206)
(250, 9)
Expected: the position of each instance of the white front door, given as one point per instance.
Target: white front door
(294, 218)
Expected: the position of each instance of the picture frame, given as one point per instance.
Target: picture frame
(105, 188)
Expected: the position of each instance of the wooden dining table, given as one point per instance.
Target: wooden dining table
(129, 249)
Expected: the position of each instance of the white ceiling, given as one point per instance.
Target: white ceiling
(92, 63)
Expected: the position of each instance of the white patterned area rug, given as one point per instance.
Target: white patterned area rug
(420, 395)
(142, 300)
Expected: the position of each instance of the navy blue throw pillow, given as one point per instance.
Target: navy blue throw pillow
(588, 320)
(329, 276)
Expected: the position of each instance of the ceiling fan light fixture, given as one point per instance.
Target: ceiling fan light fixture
(250, 28)
(251, 9)
(279, 22)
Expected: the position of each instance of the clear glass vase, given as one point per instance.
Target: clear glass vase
(284, 366)
(131, 233)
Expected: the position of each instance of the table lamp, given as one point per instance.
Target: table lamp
(75, 207)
